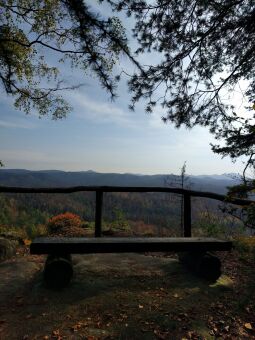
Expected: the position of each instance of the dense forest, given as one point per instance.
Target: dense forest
(132, 213)
(146, 213)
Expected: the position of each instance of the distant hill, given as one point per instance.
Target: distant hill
(56, 178)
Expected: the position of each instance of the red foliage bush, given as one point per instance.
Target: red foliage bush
(61, 222)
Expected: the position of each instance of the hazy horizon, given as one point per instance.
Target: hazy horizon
(120, 173)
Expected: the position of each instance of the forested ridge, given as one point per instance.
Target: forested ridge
(55, 178)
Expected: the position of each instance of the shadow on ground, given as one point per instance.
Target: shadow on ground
(112, 296)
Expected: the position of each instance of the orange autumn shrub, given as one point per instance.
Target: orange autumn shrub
(62, 222)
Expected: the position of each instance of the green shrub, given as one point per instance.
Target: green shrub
(33, 231)
(245, 246)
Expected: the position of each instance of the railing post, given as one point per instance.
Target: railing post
(187, 215)
(98, 214)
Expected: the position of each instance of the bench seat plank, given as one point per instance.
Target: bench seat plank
(86, 245)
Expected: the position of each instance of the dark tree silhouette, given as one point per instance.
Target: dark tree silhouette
(204, 49)
(179, 181)
(68, 29)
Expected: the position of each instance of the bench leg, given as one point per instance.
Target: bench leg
(58, 270)
(204, 264)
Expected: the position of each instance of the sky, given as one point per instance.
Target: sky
(105, 136)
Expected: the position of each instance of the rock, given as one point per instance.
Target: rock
(7, 248)
(12, 235)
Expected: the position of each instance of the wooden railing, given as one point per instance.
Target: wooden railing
(187, 194)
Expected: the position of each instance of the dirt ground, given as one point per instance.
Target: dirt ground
(121, 296)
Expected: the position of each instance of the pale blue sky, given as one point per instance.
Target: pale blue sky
(104, 136)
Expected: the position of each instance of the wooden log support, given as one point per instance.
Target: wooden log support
(58, 271)
(98, 216)
(203, 264)
(187, 215)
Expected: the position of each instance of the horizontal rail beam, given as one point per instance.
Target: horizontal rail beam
(66, 190)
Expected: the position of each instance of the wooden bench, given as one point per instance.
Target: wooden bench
(193, 251)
